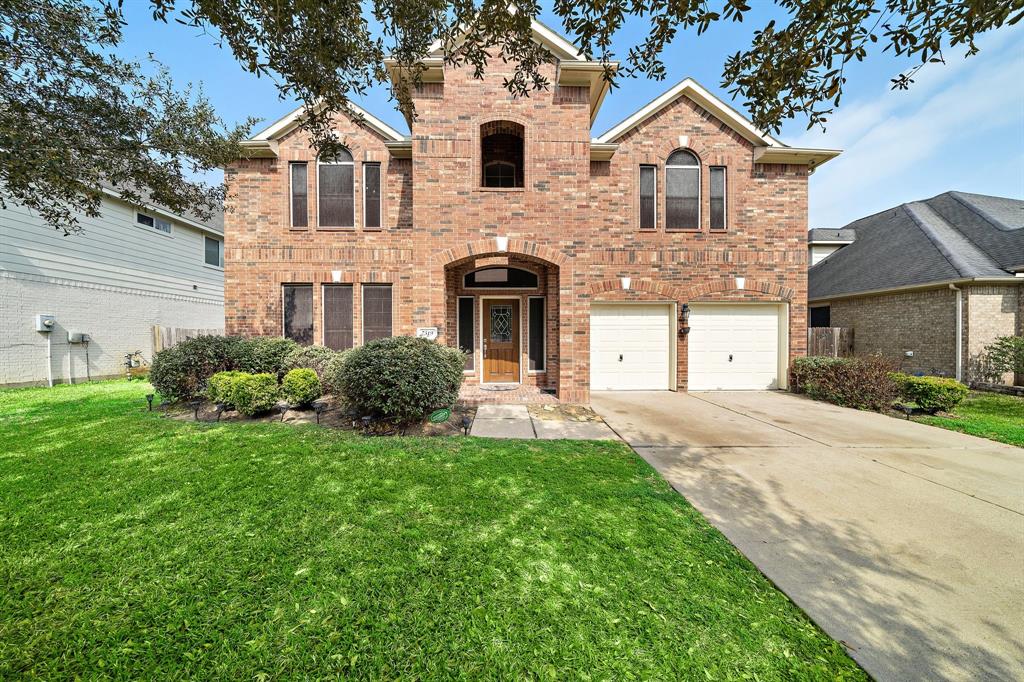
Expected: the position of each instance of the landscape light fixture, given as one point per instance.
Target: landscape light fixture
(283, 408)
(218, 409)
(466, 423)
(149, 401)
(366, 422)
(194, 404)
(319, 406)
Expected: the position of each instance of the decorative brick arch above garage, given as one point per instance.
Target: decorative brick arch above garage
(495, 245)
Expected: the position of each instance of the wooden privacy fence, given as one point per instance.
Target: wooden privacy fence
(835, 342)
(166, 337)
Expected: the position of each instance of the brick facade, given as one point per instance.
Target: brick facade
(574, 220)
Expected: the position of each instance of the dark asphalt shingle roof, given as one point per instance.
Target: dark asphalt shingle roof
(952, 236)
(215, 223)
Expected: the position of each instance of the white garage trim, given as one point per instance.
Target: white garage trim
(664, 313)
(704, 369)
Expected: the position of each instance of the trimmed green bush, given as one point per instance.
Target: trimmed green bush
(220, 385)
(301, 386)
(401, 378)
(316, 358)
(866, 383)
(254, 393)
(180, 372)
(1006, 354)
(263, 354)
(931, 393)
(330, 381)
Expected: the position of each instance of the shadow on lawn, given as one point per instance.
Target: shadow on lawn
(835, 565)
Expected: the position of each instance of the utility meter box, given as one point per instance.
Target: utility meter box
(78, 337)
(45, 323)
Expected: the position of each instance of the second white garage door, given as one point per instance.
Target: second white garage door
(734, 346)
(630, 347)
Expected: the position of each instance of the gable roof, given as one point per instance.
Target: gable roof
(555, 43)
(952, 237)
(290, 122)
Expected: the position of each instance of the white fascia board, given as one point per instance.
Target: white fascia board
(164, 213)
(291, 121)
(795, 155)
(701, 96)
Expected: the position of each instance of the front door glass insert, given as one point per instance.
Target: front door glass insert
(501, 323)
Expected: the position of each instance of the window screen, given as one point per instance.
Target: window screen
(338, 317)
(336, 197)
(376, 312)
(298, 313)
(300, 198)
(717, 198)
(648, 182)
(537, 327)
(371, 182)
(682, 191)
(467, 336)
(213, 251)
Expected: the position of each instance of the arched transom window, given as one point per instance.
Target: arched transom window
(336, 190)
(682, 191)
(500, 278)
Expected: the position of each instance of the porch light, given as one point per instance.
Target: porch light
(684, 319)
(149, 401)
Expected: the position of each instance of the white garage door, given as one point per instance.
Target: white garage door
(630, 347)
(733, 347)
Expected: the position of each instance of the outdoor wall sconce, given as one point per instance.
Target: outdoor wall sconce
(684, 319)
(149, 401)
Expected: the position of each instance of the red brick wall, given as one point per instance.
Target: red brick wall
(577, 214)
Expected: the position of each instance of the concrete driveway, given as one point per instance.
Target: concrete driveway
(904, 542)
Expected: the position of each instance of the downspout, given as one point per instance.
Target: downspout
(959, 331)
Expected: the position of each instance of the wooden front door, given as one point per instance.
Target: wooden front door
(501, 341)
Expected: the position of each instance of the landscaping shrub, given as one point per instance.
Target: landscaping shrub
(401, 378)
(1006, 354)
(866, 383)
(263, 354)
(220, 386)
(180, 372)
(316, 358)
(301, 386)
(330, 380)
(931, 393)
(254, 393)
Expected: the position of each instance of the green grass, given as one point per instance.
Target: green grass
(989, 415)
(142, 547)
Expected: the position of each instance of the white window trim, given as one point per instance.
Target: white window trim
(639, 196)
(219, 241)
(291, 195)
(698, 227)
(336, 163)
(152, 228)
(323, 313)
(363, 286)
(544, 351)
(725, 198)
(380, 199)
(508, 298)
(458, 327)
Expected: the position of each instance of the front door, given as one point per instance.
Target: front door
(501, 341)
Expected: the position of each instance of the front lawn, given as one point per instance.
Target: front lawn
(989, 415)
(134, 546)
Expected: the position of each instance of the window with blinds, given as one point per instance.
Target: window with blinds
(338, 316)
(376, 312)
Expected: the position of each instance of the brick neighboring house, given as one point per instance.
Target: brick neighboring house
(557, 260)
(913, 270)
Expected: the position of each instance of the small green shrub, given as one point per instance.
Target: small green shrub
(180, 372)
(316, 358)
(931, 393)
(254, 393)
(220, 385)
(301, 386)
(263, 354)
(1006, 354)
(331, 378)
(866, 383)
(401, 378)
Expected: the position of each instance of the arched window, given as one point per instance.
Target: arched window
(682, 191)
(500, 278)
(501, 154)
(336, 190)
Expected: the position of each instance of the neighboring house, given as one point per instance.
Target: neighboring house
(915, 270)
(670, 252)
(128, 270)
(822, 243)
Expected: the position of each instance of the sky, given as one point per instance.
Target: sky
(959, 127)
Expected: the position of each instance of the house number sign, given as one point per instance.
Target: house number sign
(426, 333)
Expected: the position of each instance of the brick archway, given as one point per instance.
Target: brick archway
(645, 285)
(680, 294)
(486, 247)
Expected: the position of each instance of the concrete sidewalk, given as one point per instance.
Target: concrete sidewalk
(515, 421)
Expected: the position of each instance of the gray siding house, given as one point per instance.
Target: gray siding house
(129, 270)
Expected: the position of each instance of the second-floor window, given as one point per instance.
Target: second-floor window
(682, 191)
(371, 195)
(718, 203)
(336, 191)
(299, 195)
(501, 154)
(648, 197)
(158, 224)
(213, 251)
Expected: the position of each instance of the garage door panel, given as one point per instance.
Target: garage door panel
(747, 333)
(630, 347)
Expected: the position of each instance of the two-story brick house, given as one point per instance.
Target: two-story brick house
(668, 253)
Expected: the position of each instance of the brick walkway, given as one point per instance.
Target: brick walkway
(520, 395)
